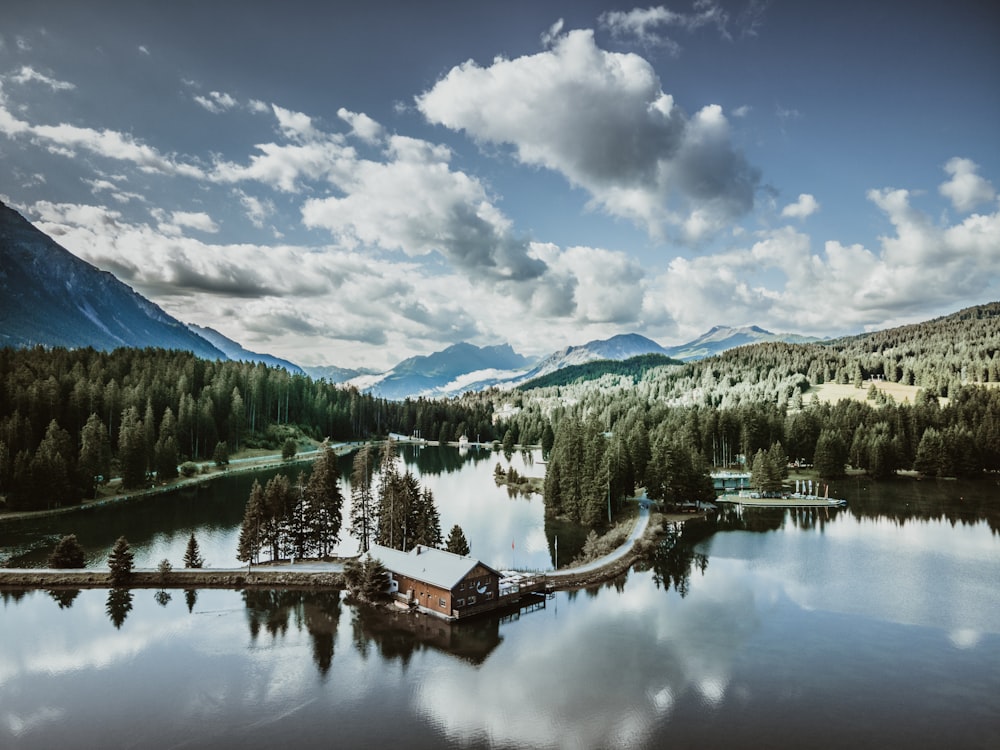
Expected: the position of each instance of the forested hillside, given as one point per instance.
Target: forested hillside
(666, 427)
(69, 416)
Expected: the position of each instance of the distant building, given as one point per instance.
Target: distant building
(438, 582)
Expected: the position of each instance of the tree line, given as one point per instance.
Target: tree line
(72, 418)
(302, 519)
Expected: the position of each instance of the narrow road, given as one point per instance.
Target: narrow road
(637, 531)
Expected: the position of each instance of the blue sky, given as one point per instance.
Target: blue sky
(356, 183)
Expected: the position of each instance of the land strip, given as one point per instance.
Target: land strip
(326, 575)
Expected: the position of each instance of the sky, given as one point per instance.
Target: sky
(354, 183)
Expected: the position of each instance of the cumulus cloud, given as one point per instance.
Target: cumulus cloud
(414, 202)
(806, 205)
(838, 287)
(602, 120)
(362, 126)
(966, 190)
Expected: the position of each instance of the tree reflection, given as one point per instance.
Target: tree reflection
(190, 598)
(275, 610)
(64, 597)
(118, 606)
(162, 597)
(673, 559)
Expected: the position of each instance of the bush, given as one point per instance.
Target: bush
(67, 554)
(189, 469)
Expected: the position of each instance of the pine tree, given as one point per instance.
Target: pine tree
(132, 449)
(362, 500)
(250, 531)
(121, 561)
(325, 502)
(457, 542)
(192, 555)
(94, 464)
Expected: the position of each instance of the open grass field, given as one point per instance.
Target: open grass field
(834, 392)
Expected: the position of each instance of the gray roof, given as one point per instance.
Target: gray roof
(434, 566)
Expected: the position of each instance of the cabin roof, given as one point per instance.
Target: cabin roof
(427, 564)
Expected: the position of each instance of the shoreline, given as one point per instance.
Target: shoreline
(261, 463)
(313, 575)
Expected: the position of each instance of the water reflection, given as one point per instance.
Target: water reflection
(316, 611)
(118, 605)
(398, 635)
(674, 558)
(64, 597)
(190, 598)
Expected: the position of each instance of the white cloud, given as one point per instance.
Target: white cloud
(966, 190)
(28, 74)
(199, 220)
(783, 278)
(257, 210)
(806, 205)
(602, 120)
(742, 111)
(362, 126)
(144, 49)
(414, 202)
(296, 126)
(216, 102)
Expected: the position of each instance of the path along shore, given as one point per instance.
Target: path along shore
(323, 575)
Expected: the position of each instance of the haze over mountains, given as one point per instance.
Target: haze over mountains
(50, 297)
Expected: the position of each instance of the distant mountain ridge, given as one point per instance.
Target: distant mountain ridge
(620, 347)
(431, 375)
(722, 338)
(237, 353)
(50, 297)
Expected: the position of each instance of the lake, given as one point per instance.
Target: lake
(873, 626)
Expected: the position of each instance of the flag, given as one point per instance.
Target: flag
(512, 544)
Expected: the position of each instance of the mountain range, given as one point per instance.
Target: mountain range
(50, 297)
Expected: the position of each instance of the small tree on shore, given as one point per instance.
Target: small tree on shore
(192, 555)
(289, 449)
(367, 579)
(221, 454)
(121, 561)
(67, 554)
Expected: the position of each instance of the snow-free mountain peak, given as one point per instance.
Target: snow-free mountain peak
(50, 297)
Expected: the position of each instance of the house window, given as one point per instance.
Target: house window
(461, 603)
(489, 594)
(442, 603)
(472, 600)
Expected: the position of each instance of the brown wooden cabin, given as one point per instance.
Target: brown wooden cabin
(438, 582)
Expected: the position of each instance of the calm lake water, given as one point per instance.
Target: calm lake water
(875, 626)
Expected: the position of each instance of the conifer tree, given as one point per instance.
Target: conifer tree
(362, 500)
(192, 555)
(457, 542)
(121, 561)
(325, 501)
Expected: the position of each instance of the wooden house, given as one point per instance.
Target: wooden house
(440, 583)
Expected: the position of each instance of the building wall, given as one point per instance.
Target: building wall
(425, 594)
(478, 591)
(480, 588)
